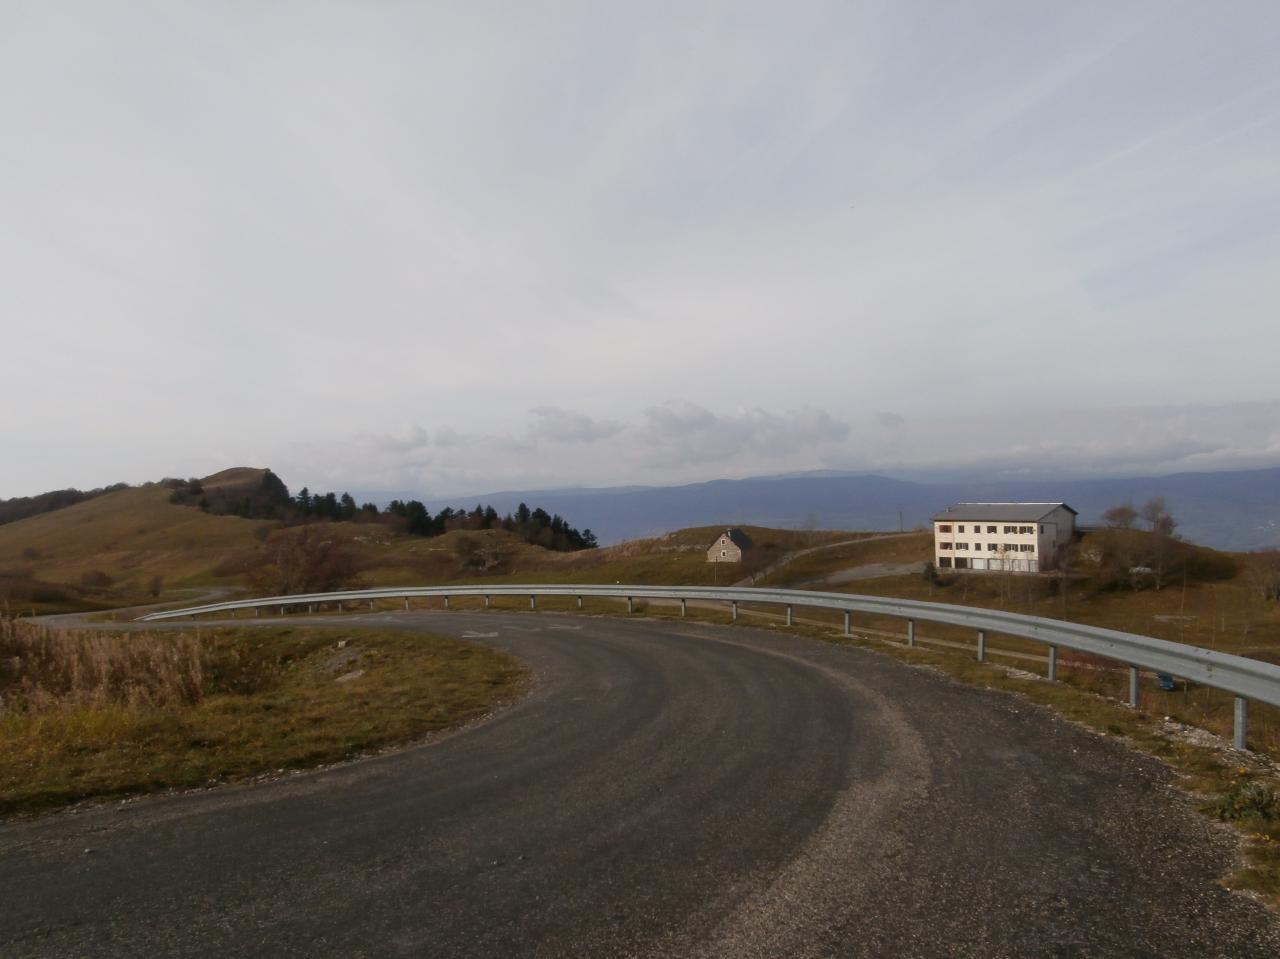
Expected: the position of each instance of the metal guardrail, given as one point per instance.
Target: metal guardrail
(1247, 679)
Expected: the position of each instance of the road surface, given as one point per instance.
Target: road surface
(664, 790)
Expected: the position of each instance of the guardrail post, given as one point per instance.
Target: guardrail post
(788, 615)
(630, 606)
(533, 601)
(1133, 686)
(982, 645)
(281, 610)
(371, 606)
(735, 610)
(1239, 737)
(446, 602)
(579, 602)
(406, 604)
(1053, 663)
(684, 607)
(486, 600)
(846, 622)
(911, 632)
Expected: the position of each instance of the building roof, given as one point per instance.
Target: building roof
(995, 512)
(737, 537)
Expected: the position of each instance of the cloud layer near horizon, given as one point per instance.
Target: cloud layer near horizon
(457, 246)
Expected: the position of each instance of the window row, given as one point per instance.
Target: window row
(993, 547)
(977, 528)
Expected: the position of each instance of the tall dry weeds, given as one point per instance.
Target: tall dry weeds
(45, 669)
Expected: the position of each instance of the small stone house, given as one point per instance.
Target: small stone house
(728, 548)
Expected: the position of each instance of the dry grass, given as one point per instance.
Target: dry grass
(92, 715)
(42, 669)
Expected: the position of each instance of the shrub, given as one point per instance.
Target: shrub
(1246, 800)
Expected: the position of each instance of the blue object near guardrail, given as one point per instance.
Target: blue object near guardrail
(1245, 678)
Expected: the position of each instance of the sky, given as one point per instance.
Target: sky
(459, 247)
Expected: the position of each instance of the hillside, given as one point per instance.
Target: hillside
(110, 549)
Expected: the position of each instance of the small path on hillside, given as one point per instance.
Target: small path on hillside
(788, 558)
(865, 571)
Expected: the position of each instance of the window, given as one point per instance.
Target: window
(962, 545)
(724, 552)
(991, 529)
(1011, 529)
(945, 562)
(1042, 529)
(1027, 548)
(960, 528)
(992, 547)
(944, 528)
(1010, 547)
(1026, 529)
(961, 563)
(944, 545)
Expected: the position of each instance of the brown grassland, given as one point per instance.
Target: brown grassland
(90, 715)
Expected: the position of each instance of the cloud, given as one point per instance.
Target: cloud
(563, 426)
(680, 433)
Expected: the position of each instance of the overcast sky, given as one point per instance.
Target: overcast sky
(459, 247)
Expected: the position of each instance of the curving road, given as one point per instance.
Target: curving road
(664, 790)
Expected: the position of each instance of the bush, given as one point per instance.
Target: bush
(1246, 800)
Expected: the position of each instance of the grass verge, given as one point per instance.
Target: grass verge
(264, 699)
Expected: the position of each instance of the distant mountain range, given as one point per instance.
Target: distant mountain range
(1236, 510)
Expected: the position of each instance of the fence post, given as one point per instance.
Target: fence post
(406, 604)
(371, 606)
(1053, 663)
(735, 610)
(684, 607)
(533, 601)
(630, 606)
(982, 645)
(486, 600)
(579, 602)
(1239, 738)
(1133, 686)
(911, 632)
(446, 602)
(846, 622)
(788, 615)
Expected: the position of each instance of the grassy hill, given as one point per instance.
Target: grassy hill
(108, 551)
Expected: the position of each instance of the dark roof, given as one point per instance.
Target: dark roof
(989, 512)
(737, 537)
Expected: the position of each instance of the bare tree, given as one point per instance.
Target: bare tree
(1121, 517)
(306, 560)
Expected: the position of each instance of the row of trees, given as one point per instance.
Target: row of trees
(270, 499)
(534, 526)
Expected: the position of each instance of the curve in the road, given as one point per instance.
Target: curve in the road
(665, 789)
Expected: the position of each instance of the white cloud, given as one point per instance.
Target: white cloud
(253, 228)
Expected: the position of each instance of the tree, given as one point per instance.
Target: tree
(307, 560)
(1121, 517)
(1161, 546)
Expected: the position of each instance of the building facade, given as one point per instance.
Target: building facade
(728, 547)
(1002, 537)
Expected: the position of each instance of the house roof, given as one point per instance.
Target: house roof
(737, 537)
(1012, 512)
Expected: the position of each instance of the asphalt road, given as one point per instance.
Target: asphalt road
(664, 790)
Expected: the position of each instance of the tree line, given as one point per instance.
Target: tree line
(271, 499)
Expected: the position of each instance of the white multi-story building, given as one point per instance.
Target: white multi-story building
(1019, 537)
